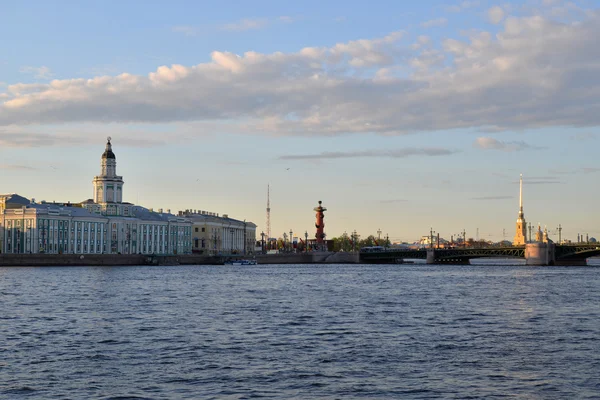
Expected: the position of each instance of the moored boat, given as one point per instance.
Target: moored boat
(240, 262)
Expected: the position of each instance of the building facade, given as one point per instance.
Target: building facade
(102, 225)
(213, 234)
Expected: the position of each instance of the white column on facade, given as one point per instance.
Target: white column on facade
(37, 232)
(81, 238)
(89, 230)
(92, 239)
(71, 246)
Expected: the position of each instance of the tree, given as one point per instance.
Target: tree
(368, 242)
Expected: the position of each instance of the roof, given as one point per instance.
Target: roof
(72, 211)
(108, 153)
(14, 199)
(203, 218)
(144, 214)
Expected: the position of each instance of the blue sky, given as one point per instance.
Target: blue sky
(398, 116)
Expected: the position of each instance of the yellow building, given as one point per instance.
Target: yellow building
(213, 234)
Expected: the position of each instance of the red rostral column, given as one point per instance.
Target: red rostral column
(320, 224)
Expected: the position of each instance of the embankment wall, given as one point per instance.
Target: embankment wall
(50, 260)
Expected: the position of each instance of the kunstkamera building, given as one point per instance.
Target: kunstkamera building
(102, 225)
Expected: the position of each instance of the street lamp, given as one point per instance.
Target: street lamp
(231, 230)
(291, 242)
(262, 247)
(215, 238)
(305, 241)
(431, 232)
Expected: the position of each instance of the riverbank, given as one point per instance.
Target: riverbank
(50, 260)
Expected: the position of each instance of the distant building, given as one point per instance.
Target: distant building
(102, 225)
(213, 234)
(428, 240)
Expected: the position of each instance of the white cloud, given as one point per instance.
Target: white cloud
(186, 30)
(462, 6)
(397, 153)
(435, 22)
(16, 137)
(534, 72)
(246, 24)
(488, 143)
(42, 72)
(15, 167)
(495, 14)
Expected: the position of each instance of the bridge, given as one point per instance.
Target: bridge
(566, 254)
(575, 254)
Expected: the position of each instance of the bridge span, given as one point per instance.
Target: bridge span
(533, 253)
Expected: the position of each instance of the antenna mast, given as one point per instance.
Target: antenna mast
(268, 212)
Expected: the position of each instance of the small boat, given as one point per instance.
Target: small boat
(240, 262)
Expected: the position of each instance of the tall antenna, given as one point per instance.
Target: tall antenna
(268, 211)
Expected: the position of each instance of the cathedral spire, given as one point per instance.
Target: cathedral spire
(521, 233)
(521, 194)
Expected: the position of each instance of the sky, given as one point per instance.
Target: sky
(400, 117)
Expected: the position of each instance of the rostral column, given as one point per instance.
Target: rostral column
(320, 225)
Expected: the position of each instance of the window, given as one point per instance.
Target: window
(203, 229)
(196, 229)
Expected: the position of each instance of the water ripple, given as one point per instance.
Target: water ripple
(414, 332)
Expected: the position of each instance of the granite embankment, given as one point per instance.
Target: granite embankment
(55, 260)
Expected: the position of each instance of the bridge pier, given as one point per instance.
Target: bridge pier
(430, 256)
(539, 254)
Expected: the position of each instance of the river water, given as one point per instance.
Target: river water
(300, 331)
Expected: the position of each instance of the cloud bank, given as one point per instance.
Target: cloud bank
(536, 72)
(399, 153)
(488, 143)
